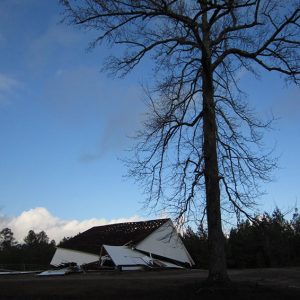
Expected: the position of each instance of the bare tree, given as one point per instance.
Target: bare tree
(201, 140)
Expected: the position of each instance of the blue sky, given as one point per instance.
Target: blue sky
(64, 124)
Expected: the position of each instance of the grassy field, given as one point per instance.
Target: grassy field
(251, 284)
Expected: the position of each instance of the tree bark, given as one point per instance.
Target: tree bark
(216, 241)
(217, 265)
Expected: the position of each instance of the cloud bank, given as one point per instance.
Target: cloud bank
(40, 218)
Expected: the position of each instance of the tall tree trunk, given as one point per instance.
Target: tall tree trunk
(216, 241)
(217, 262)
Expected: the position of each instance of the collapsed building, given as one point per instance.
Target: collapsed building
(127, 246)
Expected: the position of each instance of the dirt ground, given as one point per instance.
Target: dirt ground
(251, 284)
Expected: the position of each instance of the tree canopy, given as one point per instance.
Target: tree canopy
(7, 239)
(35, 253)
(273, 241)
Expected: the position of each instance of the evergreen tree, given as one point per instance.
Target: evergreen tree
(7, 239)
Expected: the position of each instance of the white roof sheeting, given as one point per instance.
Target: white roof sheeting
(59, 272)
(124, 256)
(67, 256)
(166, 242)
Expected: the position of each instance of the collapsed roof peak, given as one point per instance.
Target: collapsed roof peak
(114, 234)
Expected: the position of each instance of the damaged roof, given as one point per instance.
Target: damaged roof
(119, 234)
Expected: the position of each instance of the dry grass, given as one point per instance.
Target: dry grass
(187, 284)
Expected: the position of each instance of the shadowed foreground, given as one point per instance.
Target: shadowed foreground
(247, 284)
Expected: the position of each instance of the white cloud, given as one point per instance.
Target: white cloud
(81, 95)
(50, 45)
(40, 218)
(7, 87)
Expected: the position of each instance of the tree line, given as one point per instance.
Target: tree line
(268, 241)
(35, 253)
